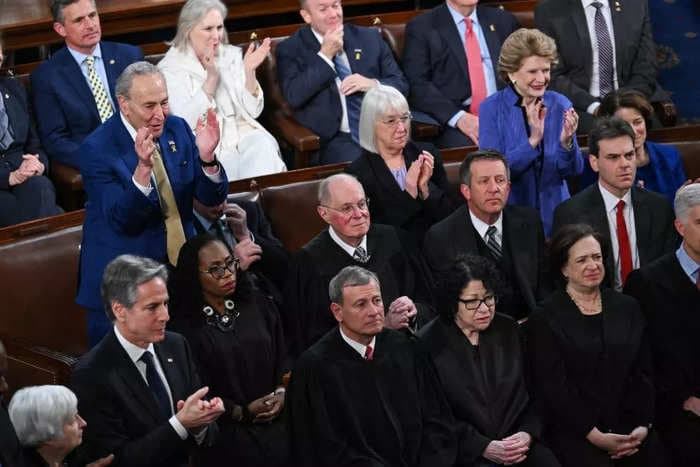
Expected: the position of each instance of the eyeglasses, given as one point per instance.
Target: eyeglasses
(218, 271)
(349, 208)
(474, 303)
(393, 121)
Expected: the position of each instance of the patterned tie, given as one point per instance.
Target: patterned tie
(104, 107)
(369, 353)
(623, 242)
(360, 255)
(353, 101)
(175, 234)
(492, 243)
(155, 384)
(475, 66)
(6, 132)
(605, 51)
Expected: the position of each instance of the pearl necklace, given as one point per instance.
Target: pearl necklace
(597, 304)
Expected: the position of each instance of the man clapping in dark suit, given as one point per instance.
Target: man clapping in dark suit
(512, 236)
(138, 388)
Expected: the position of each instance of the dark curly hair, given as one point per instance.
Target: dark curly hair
(186, 298)
(465, 269)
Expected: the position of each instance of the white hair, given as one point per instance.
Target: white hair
(377, 102)
(192, 13)
(686, 198)
(39, 413)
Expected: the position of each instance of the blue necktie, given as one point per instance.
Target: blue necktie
(5, 128)
(605, 51)
(354, 101)
(155, 383)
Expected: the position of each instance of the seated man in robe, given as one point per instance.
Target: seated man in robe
(351, 240)
(365, 395)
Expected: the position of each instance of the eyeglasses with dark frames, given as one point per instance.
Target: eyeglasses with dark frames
(473, 304)
(349, 208)
(219, 270)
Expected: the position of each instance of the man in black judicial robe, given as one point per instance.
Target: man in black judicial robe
(403, 273)
(518, 234)
(365, 395)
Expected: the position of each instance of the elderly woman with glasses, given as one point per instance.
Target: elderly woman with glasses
(203, 71)
(405, 180)
(48, 425)
(480, 363)
(236, 338)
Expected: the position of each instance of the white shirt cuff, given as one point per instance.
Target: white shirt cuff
(215, 177)
(146, 190)
(593, 107)
(177, 426)
(327, 60)
(455, 118)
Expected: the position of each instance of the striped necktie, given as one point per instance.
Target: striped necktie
(492, 243)
(605, 51)
(104, 106)
(353, 101)
(6, 138)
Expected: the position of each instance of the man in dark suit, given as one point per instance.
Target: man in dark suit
(668, 291)
(366, 395)
(444, 84)
(138, 389)
(324, 70)
(624, 56)
(73, 91)
(248, 235)
(637, 224)
(512, 236)
(141, 170)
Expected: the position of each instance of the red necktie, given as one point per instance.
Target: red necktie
(475, 66)
(369, 352)
(623, 242)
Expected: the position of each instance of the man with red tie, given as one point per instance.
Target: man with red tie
(450, 60)
(637, 223)
(366, 395)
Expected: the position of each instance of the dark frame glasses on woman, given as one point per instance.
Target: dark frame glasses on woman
(219, 270)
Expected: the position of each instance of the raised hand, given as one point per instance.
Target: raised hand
(207, 135)
(195, 411)
(356, 83)
(568, 130)
(400, 313)
(536, 112)
(237, 220)
(254, 56)
(412, 177)
(212, 69)
(332, 42)
(469, 125)
(426, 172)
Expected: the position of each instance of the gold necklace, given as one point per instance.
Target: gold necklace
(597, 304)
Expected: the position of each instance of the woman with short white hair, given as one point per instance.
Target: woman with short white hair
(203, 71)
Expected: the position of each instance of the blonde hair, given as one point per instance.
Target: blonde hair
(522, 44)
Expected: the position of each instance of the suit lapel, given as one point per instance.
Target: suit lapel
(578, 17)
(463, 233)
(517, 235)
(17, 118)
(619, 29)
(111, 64)
(169, 362)
(446, 27)
(642, 225)
(493, 41)
(72, 74)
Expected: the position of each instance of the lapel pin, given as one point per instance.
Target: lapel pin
(358, 54)
(173, 148)
(111, 61)
(7, 96)
(170, 360)
(618, 9)
(492, 27)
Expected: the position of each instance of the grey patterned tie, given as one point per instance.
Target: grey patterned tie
(492, 243)
(360, 255)
(5, 128)
(605, 51)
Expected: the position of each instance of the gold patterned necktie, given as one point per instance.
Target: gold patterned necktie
(104, 106)
(175, 234)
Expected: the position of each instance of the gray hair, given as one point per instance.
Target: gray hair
(57, 7)
(377, 102)
(123, 275)
(193, 11)
(126, 79)
(324, 188)
(39, 413)
(349, 276)
(686, 198)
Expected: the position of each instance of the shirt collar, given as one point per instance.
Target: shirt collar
(589, 3)
(611, 200)
(134, 351)
(349, 249)
(687, 263)
(80, 57)
(206, 223)
(129, 128)
(481, 226)
(458, 17)
(360, 348)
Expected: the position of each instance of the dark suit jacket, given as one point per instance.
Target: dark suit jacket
(522, 235)
(389, 204)
(121, 412)
(653, 220)
(64, 104)
(308, 83)
(670, 302)
(26, 140)
(435, 61)
(118, 217)
(10, 449)
(635, 52)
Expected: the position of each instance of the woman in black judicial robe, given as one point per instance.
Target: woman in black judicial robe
(479, 360)
(236, 337)
(405, 181)
(591, 363)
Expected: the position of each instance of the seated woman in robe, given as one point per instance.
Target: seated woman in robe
(236, 338)
(479, 360)
(405, 181)
(26, 193)
(659, 166)
(590, 361)
(533, 127)
(203, 71)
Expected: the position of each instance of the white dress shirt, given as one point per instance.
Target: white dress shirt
(344, 125)
(481, 227)
(610, 202)
(589, 11)
(359, 348)
(349, 249)
(99, 68)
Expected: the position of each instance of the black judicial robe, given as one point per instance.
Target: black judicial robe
(10, 448)
(401, 270)
(345, 410)
(484, 385)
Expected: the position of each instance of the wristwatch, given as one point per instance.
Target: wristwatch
(212, 163)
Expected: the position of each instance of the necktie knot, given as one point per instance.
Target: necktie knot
(468, 22)
(621, 205)
(360, 255)
(597, 5)
(492, 243)
(369, 353)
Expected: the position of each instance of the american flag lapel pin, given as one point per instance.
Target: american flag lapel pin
(358, 54)
(492, 28)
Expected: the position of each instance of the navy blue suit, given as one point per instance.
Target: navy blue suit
(119, 219)
(308, 82)
(64, 103)
(435, 60)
